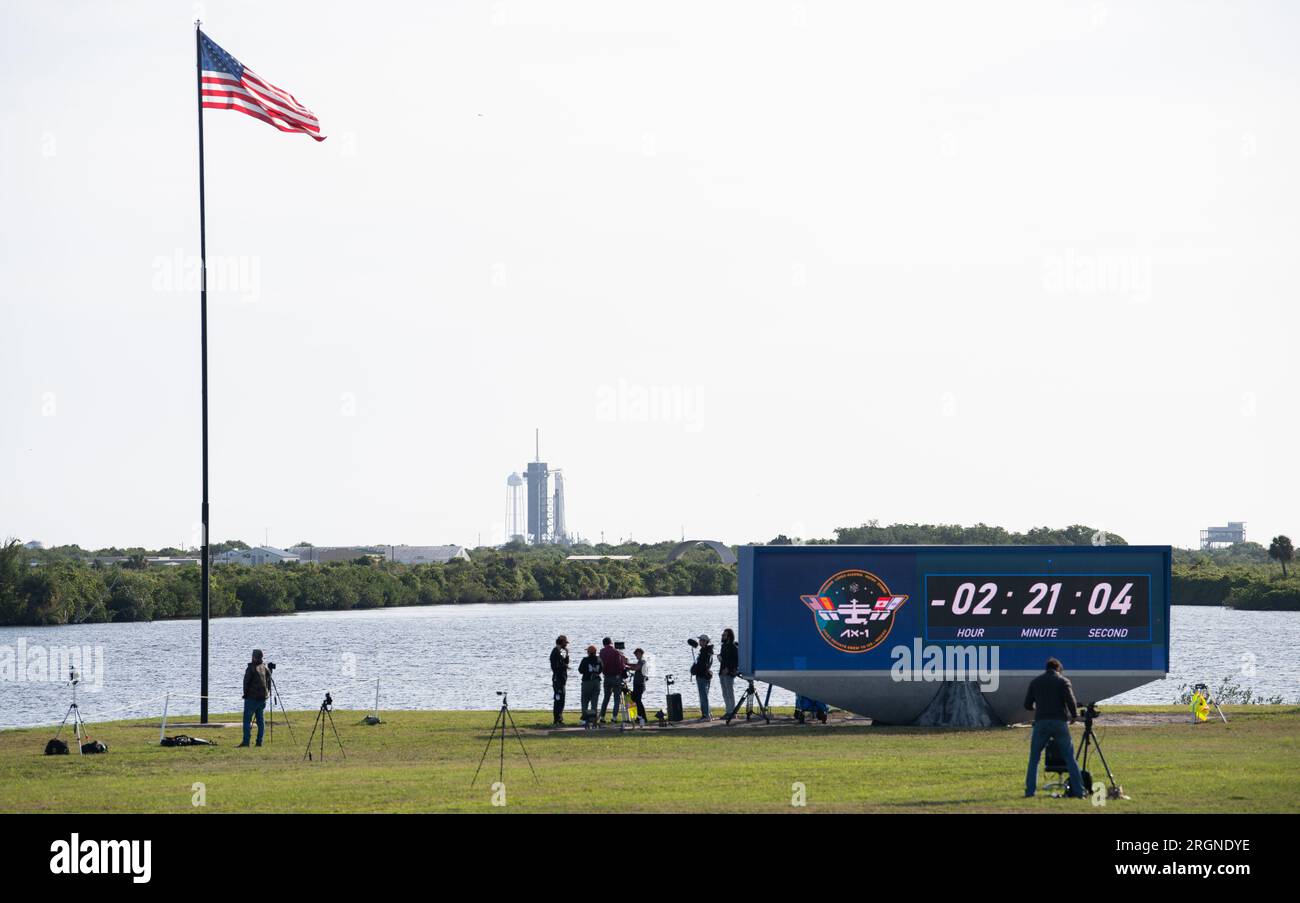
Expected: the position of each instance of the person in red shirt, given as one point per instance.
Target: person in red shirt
(612, 665)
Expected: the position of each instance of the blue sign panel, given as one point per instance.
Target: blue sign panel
(849, 608)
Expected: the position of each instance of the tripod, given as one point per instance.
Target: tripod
(74, 712)
(322, 715)
(274, 698)
(628, 719)
(1089, 739)
(1204, 690)
(503, 716)
(750, 697)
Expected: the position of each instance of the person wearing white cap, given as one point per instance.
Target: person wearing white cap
(702, 669)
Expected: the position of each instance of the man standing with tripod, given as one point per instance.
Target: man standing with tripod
(1051, 696)
(257, 687)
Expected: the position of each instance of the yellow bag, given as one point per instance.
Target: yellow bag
(1200, 707)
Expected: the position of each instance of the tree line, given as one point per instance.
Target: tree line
(64, 587)
(63, 590)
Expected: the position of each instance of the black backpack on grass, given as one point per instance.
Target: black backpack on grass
(56, 747)
(184, 740)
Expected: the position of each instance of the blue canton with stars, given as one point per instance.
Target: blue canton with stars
(213, 59)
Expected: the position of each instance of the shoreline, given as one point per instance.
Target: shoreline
(378, 608)
(420, 606)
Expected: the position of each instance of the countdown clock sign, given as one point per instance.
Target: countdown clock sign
(1038, 607)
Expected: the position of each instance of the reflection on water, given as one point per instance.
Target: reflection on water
(456, 657)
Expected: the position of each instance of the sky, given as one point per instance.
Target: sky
(751, 268)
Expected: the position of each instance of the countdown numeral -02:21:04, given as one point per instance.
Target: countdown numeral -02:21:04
(1103, 598)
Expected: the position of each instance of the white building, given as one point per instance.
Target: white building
(254, 556)
(426, 554)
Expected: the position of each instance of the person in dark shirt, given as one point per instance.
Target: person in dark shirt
(728, 668)
(257, 687)
(1051, 698)
(638, 669)
(559, 677)
(589, 671)
(702, 670)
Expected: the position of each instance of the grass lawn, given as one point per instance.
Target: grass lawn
(423, 762)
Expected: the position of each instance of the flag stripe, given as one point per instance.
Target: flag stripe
(244, 100)
(256, 113)
(228, 90)
(300, 112)
(284, 125)
(226, 78)
(285, 96)
(213, 85)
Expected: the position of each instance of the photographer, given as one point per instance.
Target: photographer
(589, 671)
(612, 665)
(257, 687)
(1051, 696)
(728, 668)
(559, 677)
(703, 671)
(638, 669)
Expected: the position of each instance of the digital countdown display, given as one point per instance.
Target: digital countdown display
(878, 629)
(1038, 607)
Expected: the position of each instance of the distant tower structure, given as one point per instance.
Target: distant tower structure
(514, 508)
(546, 521)
(561, 534)
(539, 498)
(1222, 537)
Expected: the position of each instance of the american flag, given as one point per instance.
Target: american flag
(227, 84)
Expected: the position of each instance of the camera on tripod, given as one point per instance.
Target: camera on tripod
(1090, 711)
(322, 716)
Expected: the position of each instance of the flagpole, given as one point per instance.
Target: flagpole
(203, 358)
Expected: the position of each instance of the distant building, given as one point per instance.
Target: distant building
(170, 561)
(325, 554)
(399, 554)
(1219, 537)
(426, 554)
(104, 561)
(35, 545)
(255, 556)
